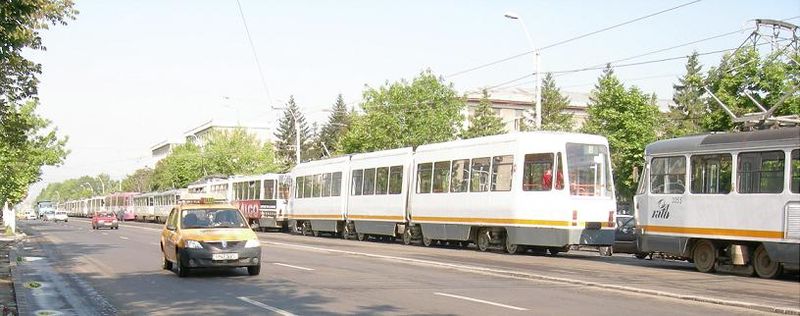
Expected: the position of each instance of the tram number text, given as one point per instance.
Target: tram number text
(662, 211)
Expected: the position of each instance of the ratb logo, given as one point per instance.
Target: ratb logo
(662, 211)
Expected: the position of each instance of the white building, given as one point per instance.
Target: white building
(510, 103)
(199, 134)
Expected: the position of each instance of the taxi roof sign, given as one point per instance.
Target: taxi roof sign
(202, 198)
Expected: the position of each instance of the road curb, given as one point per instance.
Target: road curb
(23, 308)
(532, 276)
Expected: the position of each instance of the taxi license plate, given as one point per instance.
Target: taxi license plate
(225, 256)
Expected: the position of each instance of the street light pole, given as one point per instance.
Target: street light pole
(536, 62)
(90, 186)
(102, 184)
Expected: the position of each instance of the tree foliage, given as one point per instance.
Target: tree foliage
(483, 122)
(686, 115)
(27, 142)
(332, 132)
(20, 23)
(138, 181)
(286, 134)
(78, 188)
(629, 119)
(553, 106)
(226, 153)
(425, 110)
(766, 79)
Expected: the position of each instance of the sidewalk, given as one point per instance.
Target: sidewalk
(8, 302)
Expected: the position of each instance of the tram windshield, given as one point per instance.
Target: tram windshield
(589, 170)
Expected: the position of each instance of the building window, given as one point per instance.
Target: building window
(667, 175)
(760, 172)
(711, 174)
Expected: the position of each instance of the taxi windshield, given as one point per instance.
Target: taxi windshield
(212, 218)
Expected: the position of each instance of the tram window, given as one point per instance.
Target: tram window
(589, 170)
(642, 181)
(441, 177)
(395, 179)
(336, 184)
(538, 172)
(711, 174)
(559, 172)
(502, 167)
(254, 190)
(760, 172)
(358, 176)
(479, 175)
(283, 187)
(382, 180)
(459, 175)
(424, 177)
(308, 186)
(369, 181)
(667, 175)
(298, 192)
(317, 187)
(269, 189)
(326, 185)
(796, 171)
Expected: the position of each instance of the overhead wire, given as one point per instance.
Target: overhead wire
(255, 54)
(502, 60)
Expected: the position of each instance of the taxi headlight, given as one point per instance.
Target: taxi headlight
(192, 244)
(252, 243)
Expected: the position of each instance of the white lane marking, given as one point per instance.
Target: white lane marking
(123, 237)
(265, 306)
(291, 266)
(481, 301)
(105, 234)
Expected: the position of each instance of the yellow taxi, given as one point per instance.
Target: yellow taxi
(209, 234)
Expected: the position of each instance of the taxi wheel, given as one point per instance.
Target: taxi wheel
(181, 270)
(254, 270)
(166, 265)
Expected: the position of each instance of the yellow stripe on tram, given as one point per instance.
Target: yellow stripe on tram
(714, 231)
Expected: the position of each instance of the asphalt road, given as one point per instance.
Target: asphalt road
(313, 276)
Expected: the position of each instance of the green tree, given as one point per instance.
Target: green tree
(78, 188)
(27, 142)
(553, 106)
(337, 125)
(181, 167)
(767, 80)
(629, 119)
(286, 134)
(425, 110)
(685, 117)
(483, 122)
(237, 152)
(20, 23)
(138, 181)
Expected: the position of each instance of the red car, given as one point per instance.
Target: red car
(104, 219)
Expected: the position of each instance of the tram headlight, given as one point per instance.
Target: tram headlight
(194, 244)
(252, 243)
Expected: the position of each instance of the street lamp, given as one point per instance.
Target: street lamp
(538, 121)
(202, 161)
(90, 186)
(102, 184)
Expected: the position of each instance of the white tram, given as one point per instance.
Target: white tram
(512, 190)
(541, 189)
(143, 207)
(723, 201)
(319, 203)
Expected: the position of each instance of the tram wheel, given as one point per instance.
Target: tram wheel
(407, 236)
(484, 240)
(763, 264)
(315, 233)
(427, 242)
(306, 228)
(511, 248)
(346, 232)
(705, 256)
(361, 237)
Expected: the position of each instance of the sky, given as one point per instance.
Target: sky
(126, 75)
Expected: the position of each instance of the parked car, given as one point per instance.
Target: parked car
(48, 215)
(104, 219)
(30, 215)
(60, 216)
